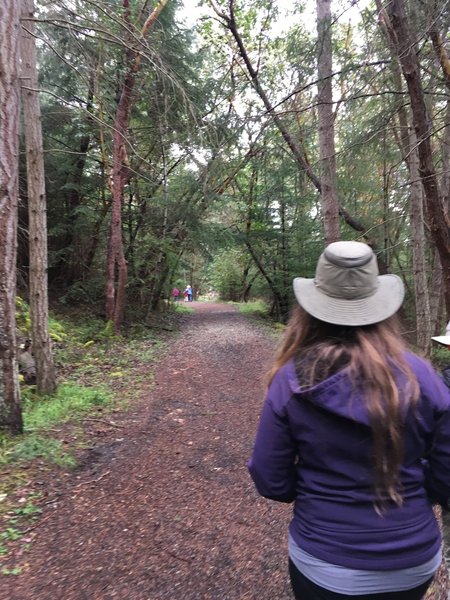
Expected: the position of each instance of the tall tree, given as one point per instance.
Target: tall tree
(116, 267)
(402, 38)
(422, 298)
(10, 404)
(330, 205)
(37, 207)
(407, 142)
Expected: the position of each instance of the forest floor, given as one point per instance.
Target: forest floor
(161, 507)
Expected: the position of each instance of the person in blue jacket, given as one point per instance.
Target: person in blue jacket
(355, 431)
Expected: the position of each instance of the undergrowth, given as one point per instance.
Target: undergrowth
(260, 310)
(94, 365)
(440, 356)
(179, 307)
(254, 307)
(69, 401)
(98, 373)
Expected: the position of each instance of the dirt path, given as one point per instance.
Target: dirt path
(165, 509)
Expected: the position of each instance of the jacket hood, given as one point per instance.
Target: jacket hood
(336, 395)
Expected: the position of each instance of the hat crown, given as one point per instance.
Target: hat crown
(347, 270)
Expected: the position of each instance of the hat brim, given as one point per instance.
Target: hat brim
(363, 311)
(442, 339)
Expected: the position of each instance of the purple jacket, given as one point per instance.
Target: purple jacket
(314, 447)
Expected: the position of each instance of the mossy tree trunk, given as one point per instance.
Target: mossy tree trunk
(37, 207)
(10, 405)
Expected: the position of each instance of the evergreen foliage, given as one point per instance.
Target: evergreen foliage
(214, 197)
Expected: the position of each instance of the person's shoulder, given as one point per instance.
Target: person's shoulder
(285, 372)
(281, 387)
(286, 378)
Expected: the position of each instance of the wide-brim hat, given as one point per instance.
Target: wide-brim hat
(347, 289)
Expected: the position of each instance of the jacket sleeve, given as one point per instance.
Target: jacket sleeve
(272, 465)
(437, 463)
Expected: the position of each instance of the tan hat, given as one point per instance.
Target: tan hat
(347, 289)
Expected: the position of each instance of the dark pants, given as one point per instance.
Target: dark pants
(304, 589)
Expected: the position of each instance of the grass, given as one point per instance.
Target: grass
(18, 502)
(69, 401)
(36, 446)
(254, 307)
(440, 356)
(258, 308)
(40, 415)
(181, 308)
(17, 522)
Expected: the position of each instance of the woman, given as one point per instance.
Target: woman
(355, 431)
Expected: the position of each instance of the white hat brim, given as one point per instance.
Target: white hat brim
(384, 303)
(442, 339)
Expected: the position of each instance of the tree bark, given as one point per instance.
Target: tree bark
(10, 404)
(37, 207)
(327, 151)
(435, 292)
(407, 142)
(423, 316)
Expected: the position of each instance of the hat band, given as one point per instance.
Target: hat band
(346, 292)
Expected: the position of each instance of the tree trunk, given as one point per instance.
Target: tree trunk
(10, 404)
(250, 199)
(445, 179)
(37, 209)
(330, 206)
(435, 292)
(403, 42)
(407, 142)
(423, 317)
(280, 299)
(285, 273)
(116, 264)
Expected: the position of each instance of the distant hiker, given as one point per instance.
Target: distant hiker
(188, 293)
(175, 294)
(355, 430)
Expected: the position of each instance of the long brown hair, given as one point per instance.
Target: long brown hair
(372, 354)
